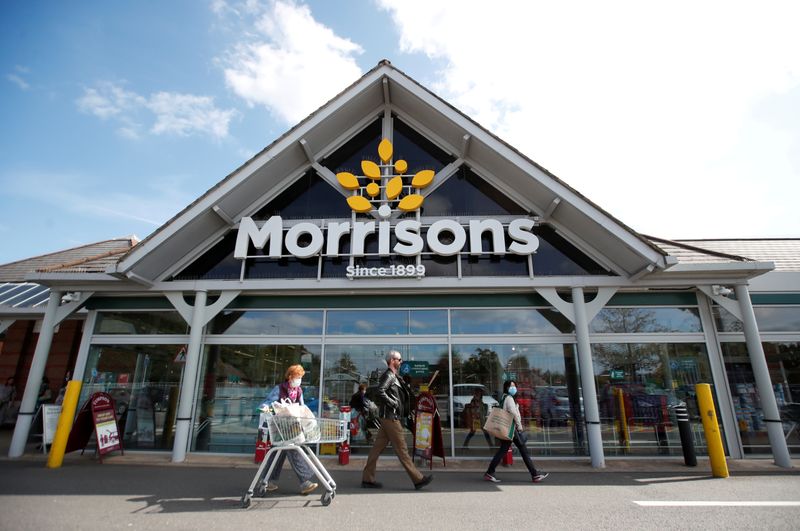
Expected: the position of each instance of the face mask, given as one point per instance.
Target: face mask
(295, 382)
(512, 391)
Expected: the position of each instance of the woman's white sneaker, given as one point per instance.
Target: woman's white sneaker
(489, 477)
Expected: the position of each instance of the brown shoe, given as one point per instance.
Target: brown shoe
(424, 481)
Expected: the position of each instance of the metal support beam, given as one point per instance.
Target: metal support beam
(769, 405)
(307, 149)
(5, 323)
(548, 212)
(465, 141)
(223, 215)
(590, 409)
(184, 417)
(27, 408)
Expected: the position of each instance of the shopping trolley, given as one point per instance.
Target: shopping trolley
(294, 434)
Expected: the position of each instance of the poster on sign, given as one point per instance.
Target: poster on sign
(428, 432)
(104, 418)
(96, 416)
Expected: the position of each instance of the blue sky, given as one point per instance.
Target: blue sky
(683, 121)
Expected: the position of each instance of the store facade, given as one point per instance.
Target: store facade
(389, 220)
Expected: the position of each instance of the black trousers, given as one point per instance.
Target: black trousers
(523, 452)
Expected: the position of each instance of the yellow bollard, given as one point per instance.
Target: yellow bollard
(623, 418)
(68, 407)
(716, 453)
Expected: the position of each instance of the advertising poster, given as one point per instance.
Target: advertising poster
(50, 415)
(104, 418)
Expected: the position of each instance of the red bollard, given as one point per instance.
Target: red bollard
(262, 446)
(508, 459)
(344, 453)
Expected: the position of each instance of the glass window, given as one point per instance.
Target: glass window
(309, 197)
(769, 319)
(646, 320)
(510, 321)
(151, 322)
(348, 366)
(636, 382)
(144, 381)
(386, 322)
(783, 360)
(267, 323)
(548, 396)
(557, 257)
(235, 380)
(465, 193)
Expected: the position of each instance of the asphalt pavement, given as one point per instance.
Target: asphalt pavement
(141, 490)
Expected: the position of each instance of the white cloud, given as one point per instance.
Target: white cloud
(157, 200)
(649, 110)
(182, 114)
(170, 112)
(18, 81)
(292, 64)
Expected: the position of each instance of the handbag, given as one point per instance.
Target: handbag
(500, 423)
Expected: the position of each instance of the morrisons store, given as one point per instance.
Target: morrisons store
(389, 220)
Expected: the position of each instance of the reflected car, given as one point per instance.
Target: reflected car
(554, 403)
(462, 395)
(526, 400)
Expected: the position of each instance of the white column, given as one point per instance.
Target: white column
(189, 383)
(769, 406)
(590, 410)
(27, 408)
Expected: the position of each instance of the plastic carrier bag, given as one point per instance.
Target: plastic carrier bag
(293, 423)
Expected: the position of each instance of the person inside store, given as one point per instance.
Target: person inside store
(8, 395)
(45, 393)
(508, 404)
(367, 410)
(290, 390)
(394, 407)
(475, 418)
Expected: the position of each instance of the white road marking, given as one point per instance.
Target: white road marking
(718, 503)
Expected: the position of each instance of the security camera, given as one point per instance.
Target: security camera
(721, 291)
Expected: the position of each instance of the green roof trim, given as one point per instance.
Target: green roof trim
(775, 298)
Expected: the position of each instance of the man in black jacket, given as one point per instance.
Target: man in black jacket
(394, 406)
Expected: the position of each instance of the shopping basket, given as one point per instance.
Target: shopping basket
(293, 434)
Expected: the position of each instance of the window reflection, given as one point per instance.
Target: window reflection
(783, 360)
(636, 382)
(151, 322)
(386, 322)
(548, 395)
(144, 381)
(235, 380)
(509, 321)
(267, 323)
(646, 320)
(347, 366)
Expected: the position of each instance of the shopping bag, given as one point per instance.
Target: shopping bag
(500, 423)
(303, 416)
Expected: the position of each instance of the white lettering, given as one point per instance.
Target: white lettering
(408, 233)
(335, 232)
(409, 242)
(476, 229)
(272, 231)
(451, 226)
(525, 242)
(312, 248)
(360, 232)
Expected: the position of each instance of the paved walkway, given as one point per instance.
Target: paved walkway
(477, 465)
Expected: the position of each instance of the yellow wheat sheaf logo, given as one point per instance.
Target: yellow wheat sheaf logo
(384, 184)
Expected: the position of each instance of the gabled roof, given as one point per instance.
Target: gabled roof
(783, 252)
(89, 258)
(205, 221)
